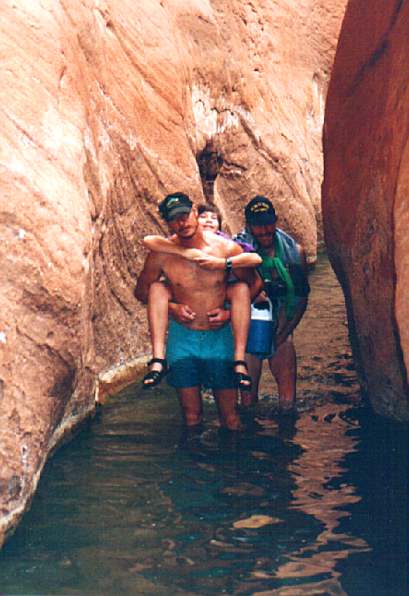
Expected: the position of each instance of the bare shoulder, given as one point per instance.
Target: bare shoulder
(226, 246)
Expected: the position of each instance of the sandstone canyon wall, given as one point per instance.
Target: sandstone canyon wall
(106, 107)
(365, 194)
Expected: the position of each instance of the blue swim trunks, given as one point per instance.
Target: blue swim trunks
(200, 357)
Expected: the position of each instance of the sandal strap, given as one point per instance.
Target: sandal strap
(243, 377)
(158, 360)
(152, 375)
(240, 363)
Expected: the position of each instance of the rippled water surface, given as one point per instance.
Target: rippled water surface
(315, 506)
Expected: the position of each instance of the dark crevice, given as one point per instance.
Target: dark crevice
(210, 161)
(379, 51)
(64, 386)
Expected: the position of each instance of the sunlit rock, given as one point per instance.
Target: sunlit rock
(365, 194)
(106, 107)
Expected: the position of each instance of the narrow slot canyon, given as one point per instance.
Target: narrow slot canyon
(116, 105)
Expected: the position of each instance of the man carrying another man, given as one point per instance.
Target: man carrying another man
(200, 342)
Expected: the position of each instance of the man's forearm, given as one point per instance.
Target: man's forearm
(172, 308)
(166, 245)
(246, 259)
(160, 244)
(256, 286)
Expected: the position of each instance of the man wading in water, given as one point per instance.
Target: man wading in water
(286, 289)
(200, 342)
(160, 300)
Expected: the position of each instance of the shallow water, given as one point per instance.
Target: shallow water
(318, 506)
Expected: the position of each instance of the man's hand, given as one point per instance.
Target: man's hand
(262, 297)
(182, 313)
(203, 259)
(285, 328)
(218, 317)
(209, 262)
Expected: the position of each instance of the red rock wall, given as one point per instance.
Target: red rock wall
(365, 193)
(107, 107)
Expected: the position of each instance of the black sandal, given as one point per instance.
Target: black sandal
(243, 381)
(154, 377)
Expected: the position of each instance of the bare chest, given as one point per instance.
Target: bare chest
(189, 276)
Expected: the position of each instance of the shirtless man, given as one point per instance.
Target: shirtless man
(200, 342)
(238, 295)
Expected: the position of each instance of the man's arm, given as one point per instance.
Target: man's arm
(168, 245)
(288, 327)
(302, 290)
(219, 316)
(158, 243)
(240, 259)
(244, 272)
(150, 273)
(244, 259)
(256, 289)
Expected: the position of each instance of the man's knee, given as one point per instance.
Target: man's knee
(286, 350)
(284, 360)
(191, 403)
(227, 405)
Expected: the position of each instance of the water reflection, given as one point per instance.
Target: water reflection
(131, 508)
(261, 512)
(322, 491)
